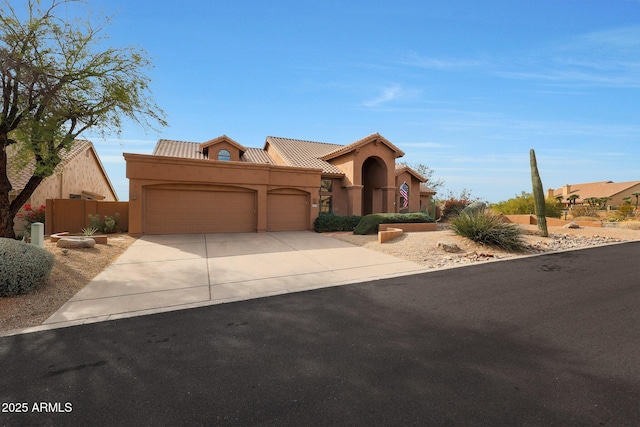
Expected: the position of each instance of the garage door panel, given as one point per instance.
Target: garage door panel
(197, 211)
(287, 212)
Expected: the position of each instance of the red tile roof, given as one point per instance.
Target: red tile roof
(304, 154)
(171, 148)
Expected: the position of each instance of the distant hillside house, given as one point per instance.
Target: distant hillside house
(616, 191)
(80, 175)
(223, 186)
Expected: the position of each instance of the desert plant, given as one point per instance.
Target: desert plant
(109, 225)
(486, 228)
(538, 195)
(89, 231)
(582, 211)
(95, 221)
(331, 222)
(22, 267)
(369, 223)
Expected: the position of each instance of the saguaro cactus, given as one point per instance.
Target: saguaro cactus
(538, 195)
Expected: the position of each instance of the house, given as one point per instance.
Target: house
(223, 186)
(615, 191)
(80, 175)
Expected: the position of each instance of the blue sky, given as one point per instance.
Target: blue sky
(464, 87)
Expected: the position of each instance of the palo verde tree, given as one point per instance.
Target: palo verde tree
(58, 80)
(538, 195)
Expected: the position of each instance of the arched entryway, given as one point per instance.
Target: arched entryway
(374, 178)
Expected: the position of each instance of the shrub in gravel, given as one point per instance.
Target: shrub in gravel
(22, 266)
(369, 223)
(329, 222)
(482, 226)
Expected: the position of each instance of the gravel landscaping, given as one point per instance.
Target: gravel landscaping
(73, 269)
(423, 248)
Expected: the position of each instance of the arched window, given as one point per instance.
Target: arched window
(224, 155)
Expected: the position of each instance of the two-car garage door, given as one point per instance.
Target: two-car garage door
(197, 211)
(172, 211)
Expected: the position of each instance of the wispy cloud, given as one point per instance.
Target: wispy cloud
(608, 58)
(390, 93)
(414, 59)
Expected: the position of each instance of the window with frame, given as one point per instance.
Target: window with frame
(326, 196)
(224, 155)
(326, 204)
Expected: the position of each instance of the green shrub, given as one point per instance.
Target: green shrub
(369, 223)
(489, 229)
(329, 222)
(524, 204)
(22, 267)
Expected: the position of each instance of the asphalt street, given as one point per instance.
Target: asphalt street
(546, 340)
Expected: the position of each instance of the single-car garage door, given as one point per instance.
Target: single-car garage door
(198, 211)
(287, 212)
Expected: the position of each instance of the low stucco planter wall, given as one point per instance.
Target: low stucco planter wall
(389, 234)
(410, 227)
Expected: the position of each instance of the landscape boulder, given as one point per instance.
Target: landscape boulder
(76, 242)
(474, 207)
(448, 247)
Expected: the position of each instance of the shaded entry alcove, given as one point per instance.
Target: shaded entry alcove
(374, 178)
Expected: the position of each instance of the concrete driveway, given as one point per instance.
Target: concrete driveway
(171, 272)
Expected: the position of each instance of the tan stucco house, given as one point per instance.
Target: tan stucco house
(80, 175)
(223, 186)
(615, 191)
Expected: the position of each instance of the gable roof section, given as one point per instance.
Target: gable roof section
(344, 149)
(596, 189)
(425, 189)
(304, 154)
(223, 138)
(20, 174)
(404, 168)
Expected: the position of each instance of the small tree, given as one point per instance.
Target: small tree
(538, 194)
(637, 195)
(602, 202)
(572, 199)
(57, 82)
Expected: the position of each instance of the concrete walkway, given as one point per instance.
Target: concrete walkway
(171, 272)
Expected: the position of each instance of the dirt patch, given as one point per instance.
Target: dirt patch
(73, 269)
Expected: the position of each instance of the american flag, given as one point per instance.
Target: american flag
(404, 194)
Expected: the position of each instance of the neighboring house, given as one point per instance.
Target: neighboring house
(80, 175)
(616, 191)
(222, 186)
